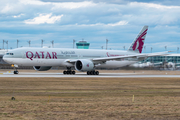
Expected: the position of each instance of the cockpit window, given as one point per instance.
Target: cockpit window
(9, 53)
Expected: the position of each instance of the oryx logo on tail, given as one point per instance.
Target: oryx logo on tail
(138, 43)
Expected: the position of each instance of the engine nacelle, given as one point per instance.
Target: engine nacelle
(42, 68)
(84, 65)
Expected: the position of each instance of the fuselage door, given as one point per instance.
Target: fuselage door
(23, 55)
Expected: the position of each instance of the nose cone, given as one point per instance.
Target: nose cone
(6, 59)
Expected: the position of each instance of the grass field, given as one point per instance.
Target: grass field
(90, 98)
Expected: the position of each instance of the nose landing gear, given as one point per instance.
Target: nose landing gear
(16, 72)
(15, 68)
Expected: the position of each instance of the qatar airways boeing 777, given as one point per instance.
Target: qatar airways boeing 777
(84, 60)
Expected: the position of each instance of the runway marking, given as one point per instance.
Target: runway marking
(8, 72)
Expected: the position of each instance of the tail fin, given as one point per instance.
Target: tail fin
(138, 43)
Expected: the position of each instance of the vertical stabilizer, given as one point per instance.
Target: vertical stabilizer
(138, 43)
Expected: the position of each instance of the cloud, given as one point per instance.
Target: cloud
(102, 24)
(17, 16)
(152, 5)
(90, 12)
(68, 5)
(163, 2)
(118, 23)
(33, 2)
(73, 5)
(6, 9)
(94, 20)
(41, 19)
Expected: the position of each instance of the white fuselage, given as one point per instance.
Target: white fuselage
(59, 57)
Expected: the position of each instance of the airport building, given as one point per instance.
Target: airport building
(82, 45)
(174, 58)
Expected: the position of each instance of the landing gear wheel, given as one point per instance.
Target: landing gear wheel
(16, 72)
(92, 72)
(97, 72)
(73, 72)
(69, 72)
(88, 73)
(64, 72)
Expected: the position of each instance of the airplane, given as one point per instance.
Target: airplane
(83, 60)
(142, 65)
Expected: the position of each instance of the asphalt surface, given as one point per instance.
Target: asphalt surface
(110, 75)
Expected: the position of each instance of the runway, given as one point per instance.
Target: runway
(101, 75)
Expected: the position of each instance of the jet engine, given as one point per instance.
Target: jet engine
(84, 65)
(42, 68)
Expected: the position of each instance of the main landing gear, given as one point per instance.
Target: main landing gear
(69, 71)
(92, 72)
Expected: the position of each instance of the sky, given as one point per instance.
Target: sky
(119, 21)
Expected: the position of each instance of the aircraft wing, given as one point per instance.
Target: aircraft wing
(130, 56)
(121, 57)
(158, 54)
(108, 58)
